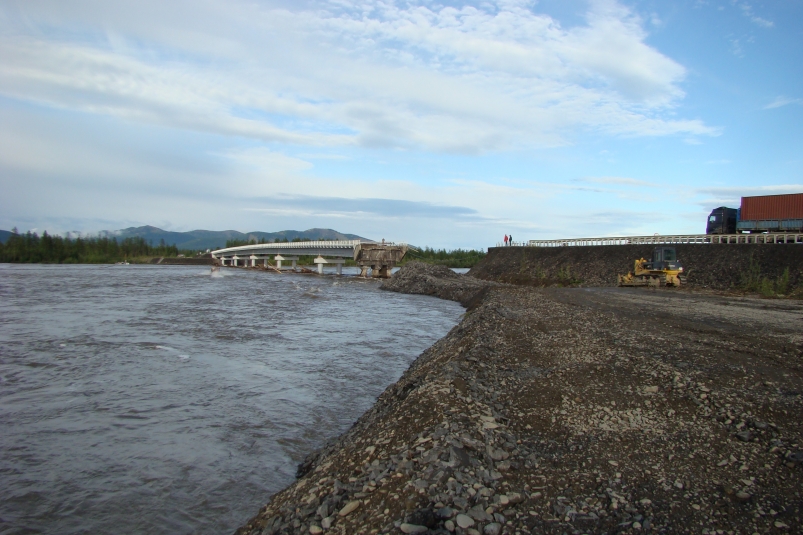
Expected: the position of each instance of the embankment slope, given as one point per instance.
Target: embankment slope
(713, 266)
(571, 410)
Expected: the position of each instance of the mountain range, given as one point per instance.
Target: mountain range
(213, 239)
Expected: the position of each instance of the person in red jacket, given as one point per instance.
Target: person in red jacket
(505, 239)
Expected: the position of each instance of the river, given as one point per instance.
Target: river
(157, 399)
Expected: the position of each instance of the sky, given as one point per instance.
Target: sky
(448, 124)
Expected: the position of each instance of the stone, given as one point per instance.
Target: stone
(743, 496)
(350, 507)
(413, 528)
(459, 457)
(449, 525)
(744, 436)
(464, 521)
(479, 514)
(636, 525)
(445, 512)
(493, 528)
(315, 530)
(423, 517)
(327, 522)
(515, 497)
(651, 389)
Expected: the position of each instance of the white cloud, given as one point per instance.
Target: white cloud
(747, 11)
(404, 75)
(782, 101)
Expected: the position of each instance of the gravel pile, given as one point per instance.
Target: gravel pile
(572, 411)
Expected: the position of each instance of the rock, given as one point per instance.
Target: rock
(464, 521)
(315, 530)
(636, 525)
(349, 508)
(327, 522)
(744, 436)
(449, 525)
(413, 528)
(493, 528)
(423, 517)
(479, 514)
(796, 457)
(743, 496)
(459, 457)
(444, 513)
(515, 497)
(651, 389)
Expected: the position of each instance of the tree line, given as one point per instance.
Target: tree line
(55, 249)
(456, 258)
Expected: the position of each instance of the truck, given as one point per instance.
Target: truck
(765, 213)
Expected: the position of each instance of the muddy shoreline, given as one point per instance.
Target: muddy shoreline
(572, 410)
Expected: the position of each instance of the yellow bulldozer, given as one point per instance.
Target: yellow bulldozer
(664, 270)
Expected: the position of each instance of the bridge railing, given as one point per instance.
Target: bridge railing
(657, 239)
(318, 244)
(322, 245)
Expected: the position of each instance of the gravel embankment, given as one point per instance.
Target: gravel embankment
(711, 266)
(572, 411)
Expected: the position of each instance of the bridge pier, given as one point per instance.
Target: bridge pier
(380, 272)
(321, 261)
(279, 258)
(234, 260)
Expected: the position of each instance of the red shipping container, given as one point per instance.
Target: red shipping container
(772, 207)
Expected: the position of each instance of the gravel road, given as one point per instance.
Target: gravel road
(576, 410)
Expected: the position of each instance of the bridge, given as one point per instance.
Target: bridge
(380, 258)
(658, 239)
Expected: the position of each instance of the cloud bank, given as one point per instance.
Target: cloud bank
(405, 75)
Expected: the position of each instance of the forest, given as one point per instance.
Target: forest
(55, 249)
(456, 258)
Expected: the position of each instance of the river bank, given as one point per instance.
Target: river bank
(571, 410)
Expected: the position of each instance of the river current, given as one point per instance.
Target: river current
(158, 399)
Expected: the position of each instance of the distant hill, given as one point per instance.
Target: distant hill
(213, 239)
(216, 239)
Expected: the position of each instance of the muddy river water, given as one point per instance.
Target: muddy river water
(154, 399)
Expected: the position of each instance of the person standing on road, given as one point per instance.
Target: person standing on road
(505, 239)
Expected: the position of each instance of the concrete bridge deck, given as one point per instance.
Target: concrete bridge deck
(379, 257)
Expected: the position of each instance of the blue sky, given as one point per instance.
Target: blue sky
(446, 124)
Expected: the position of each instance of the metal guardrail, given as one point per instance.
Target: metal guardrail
(657, 239)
